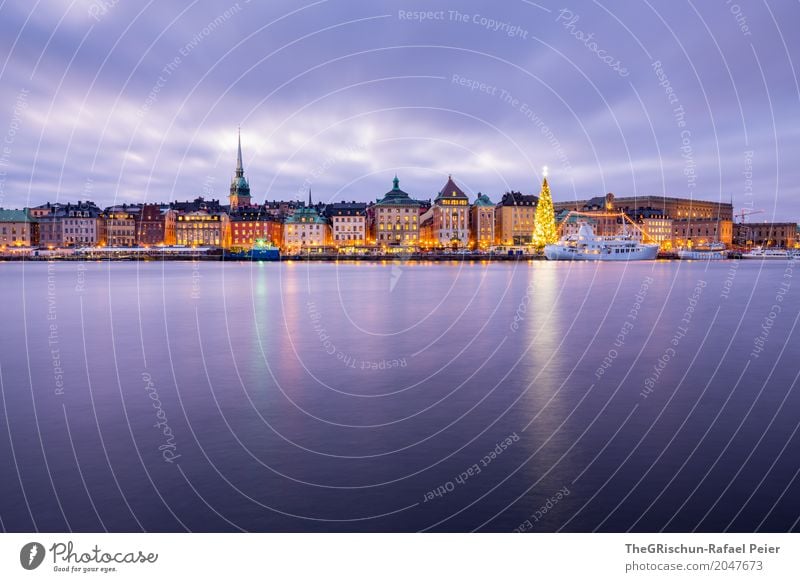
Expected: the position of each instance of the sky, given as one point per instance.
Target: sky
(114, 100)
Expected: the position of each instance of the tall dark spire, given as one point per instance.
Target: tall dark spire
(239, 166)
(309, 197)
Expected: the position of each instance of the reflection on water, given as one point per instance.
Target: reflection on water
(395, 396)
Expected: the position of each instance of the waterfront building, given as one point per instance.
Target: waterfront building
(446, 222)
(482, 222)
(50, 227)
(202, 229)
(701, 231)
(514, 219)
(18, 229)
(674, 208)
(117, 227)
(253, 227)
(240, 189)
(306, 230)
(170, 226)
(348, 223)
(658, 229)
(396, 219)
(151, 225)
(766, 234)
(79, 224)
(694, 222)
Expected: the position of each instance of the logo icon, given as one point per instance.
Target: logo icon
(31, 555)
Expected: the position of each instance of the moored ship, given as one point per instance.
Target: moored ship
(771, 254)
(709, 252)
(587, 246)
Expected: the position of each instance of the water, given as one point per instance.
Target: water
(383, 397)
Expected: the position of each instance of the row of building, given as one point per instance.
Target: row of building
(394, 221)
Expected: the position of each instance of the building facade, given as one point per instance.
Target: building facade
(446, 222)
(79, 224)
(348, 223)
(482, 223)
(18, 229)
(306, 230)
(253, 227)
(515, 218)
(766, 234)
(202, 229)
(692, 222)
(117, 228)
(396, 219)
(151, 225)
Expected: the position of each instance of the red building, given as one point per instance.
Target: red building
(252, 227)
(150, 225)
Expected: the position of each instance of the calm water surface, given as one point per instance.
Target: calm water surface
(380, 397)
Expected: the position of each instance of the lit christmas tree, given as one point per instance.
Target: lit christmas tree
(544, 229)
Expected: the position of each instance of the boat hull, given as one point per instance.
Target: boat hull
(770, 257)
(255, 255)
(566, 253)
(702, 255)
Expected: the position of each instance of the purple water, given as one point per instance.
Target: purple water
(399, 396)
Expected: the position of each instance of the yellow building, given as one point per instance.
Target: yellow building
(515, 218)
(306, 230)
(446, 222)
(203, 229)
(482, 223)
(348, 221)
(396, 219)
(117, 228)
(18, 229)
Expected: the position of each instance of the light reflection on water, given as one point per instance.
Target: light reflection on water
(338, 395)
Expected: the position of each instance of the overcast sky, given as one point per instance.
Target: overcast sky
(114, 100)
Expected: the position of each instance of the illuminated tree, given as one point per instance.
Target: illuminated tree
(544, 229)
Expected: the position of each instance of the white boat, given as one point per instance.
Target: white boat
(587, 246)
(709, 252)
(770, 254)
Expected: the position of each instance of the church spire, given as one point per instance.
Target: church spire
(309, 197)
(239, 166)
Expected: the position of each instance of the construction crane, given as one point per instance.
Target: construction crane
(745, 212)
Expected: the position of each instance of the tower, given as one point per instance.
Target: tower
(240, 189)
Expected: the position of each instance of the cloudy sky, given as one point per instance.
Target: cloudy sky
(116, 100)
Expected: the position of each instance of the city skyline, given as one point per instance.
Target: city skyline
(338, 98)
